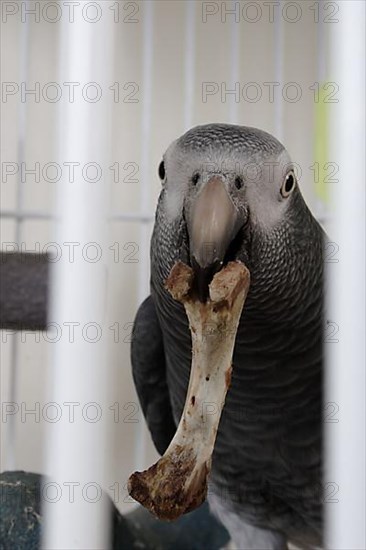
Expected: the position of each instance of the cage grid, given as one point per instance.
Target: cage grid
(344, 43)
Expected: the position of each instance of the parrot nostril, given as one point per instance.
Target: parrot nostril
(238, 182)
(195, 178)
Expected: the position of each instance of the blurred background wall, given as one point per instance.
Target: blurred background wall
(176, 64)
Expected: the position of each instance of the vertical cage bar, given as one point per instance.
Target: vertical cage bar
(345, 380)
(321, 68)
(11, 431)
(189, 62)
(234, 70)
(321, 135)
(146, 101)
(78, 449)
(279, 44)
(145, 196)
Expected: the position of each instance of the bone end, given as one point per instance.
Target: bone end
(179, 282)
(171, 487)
(228, 283)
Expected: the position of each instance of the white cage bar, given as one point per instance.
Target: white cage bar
(76, 451)
(345, 380)
(19, 217)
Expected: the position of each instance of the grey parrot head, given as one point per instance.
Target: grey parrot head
(228, 192)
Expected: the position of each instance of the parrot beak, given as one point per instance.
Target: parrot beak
(212, 224)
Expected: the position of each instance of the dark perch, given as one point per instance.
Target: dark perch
(21, 522)
(24, 279)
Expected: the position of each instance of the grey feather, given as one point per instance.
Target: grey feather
(149, 374)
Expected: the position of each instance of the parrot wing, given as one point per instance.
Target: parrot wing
(149, 375)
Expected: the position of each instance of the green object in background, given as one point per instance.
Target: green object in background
(323, 169)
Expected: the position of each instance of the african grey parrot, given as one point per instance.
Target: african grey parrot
(230, 193)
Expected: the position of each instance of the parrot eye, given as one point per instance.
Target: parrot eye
(288, 185)
(161, 170)
(195, 178)
(238, 182)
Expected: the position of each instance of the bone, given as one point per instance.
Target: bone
(177, 482)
